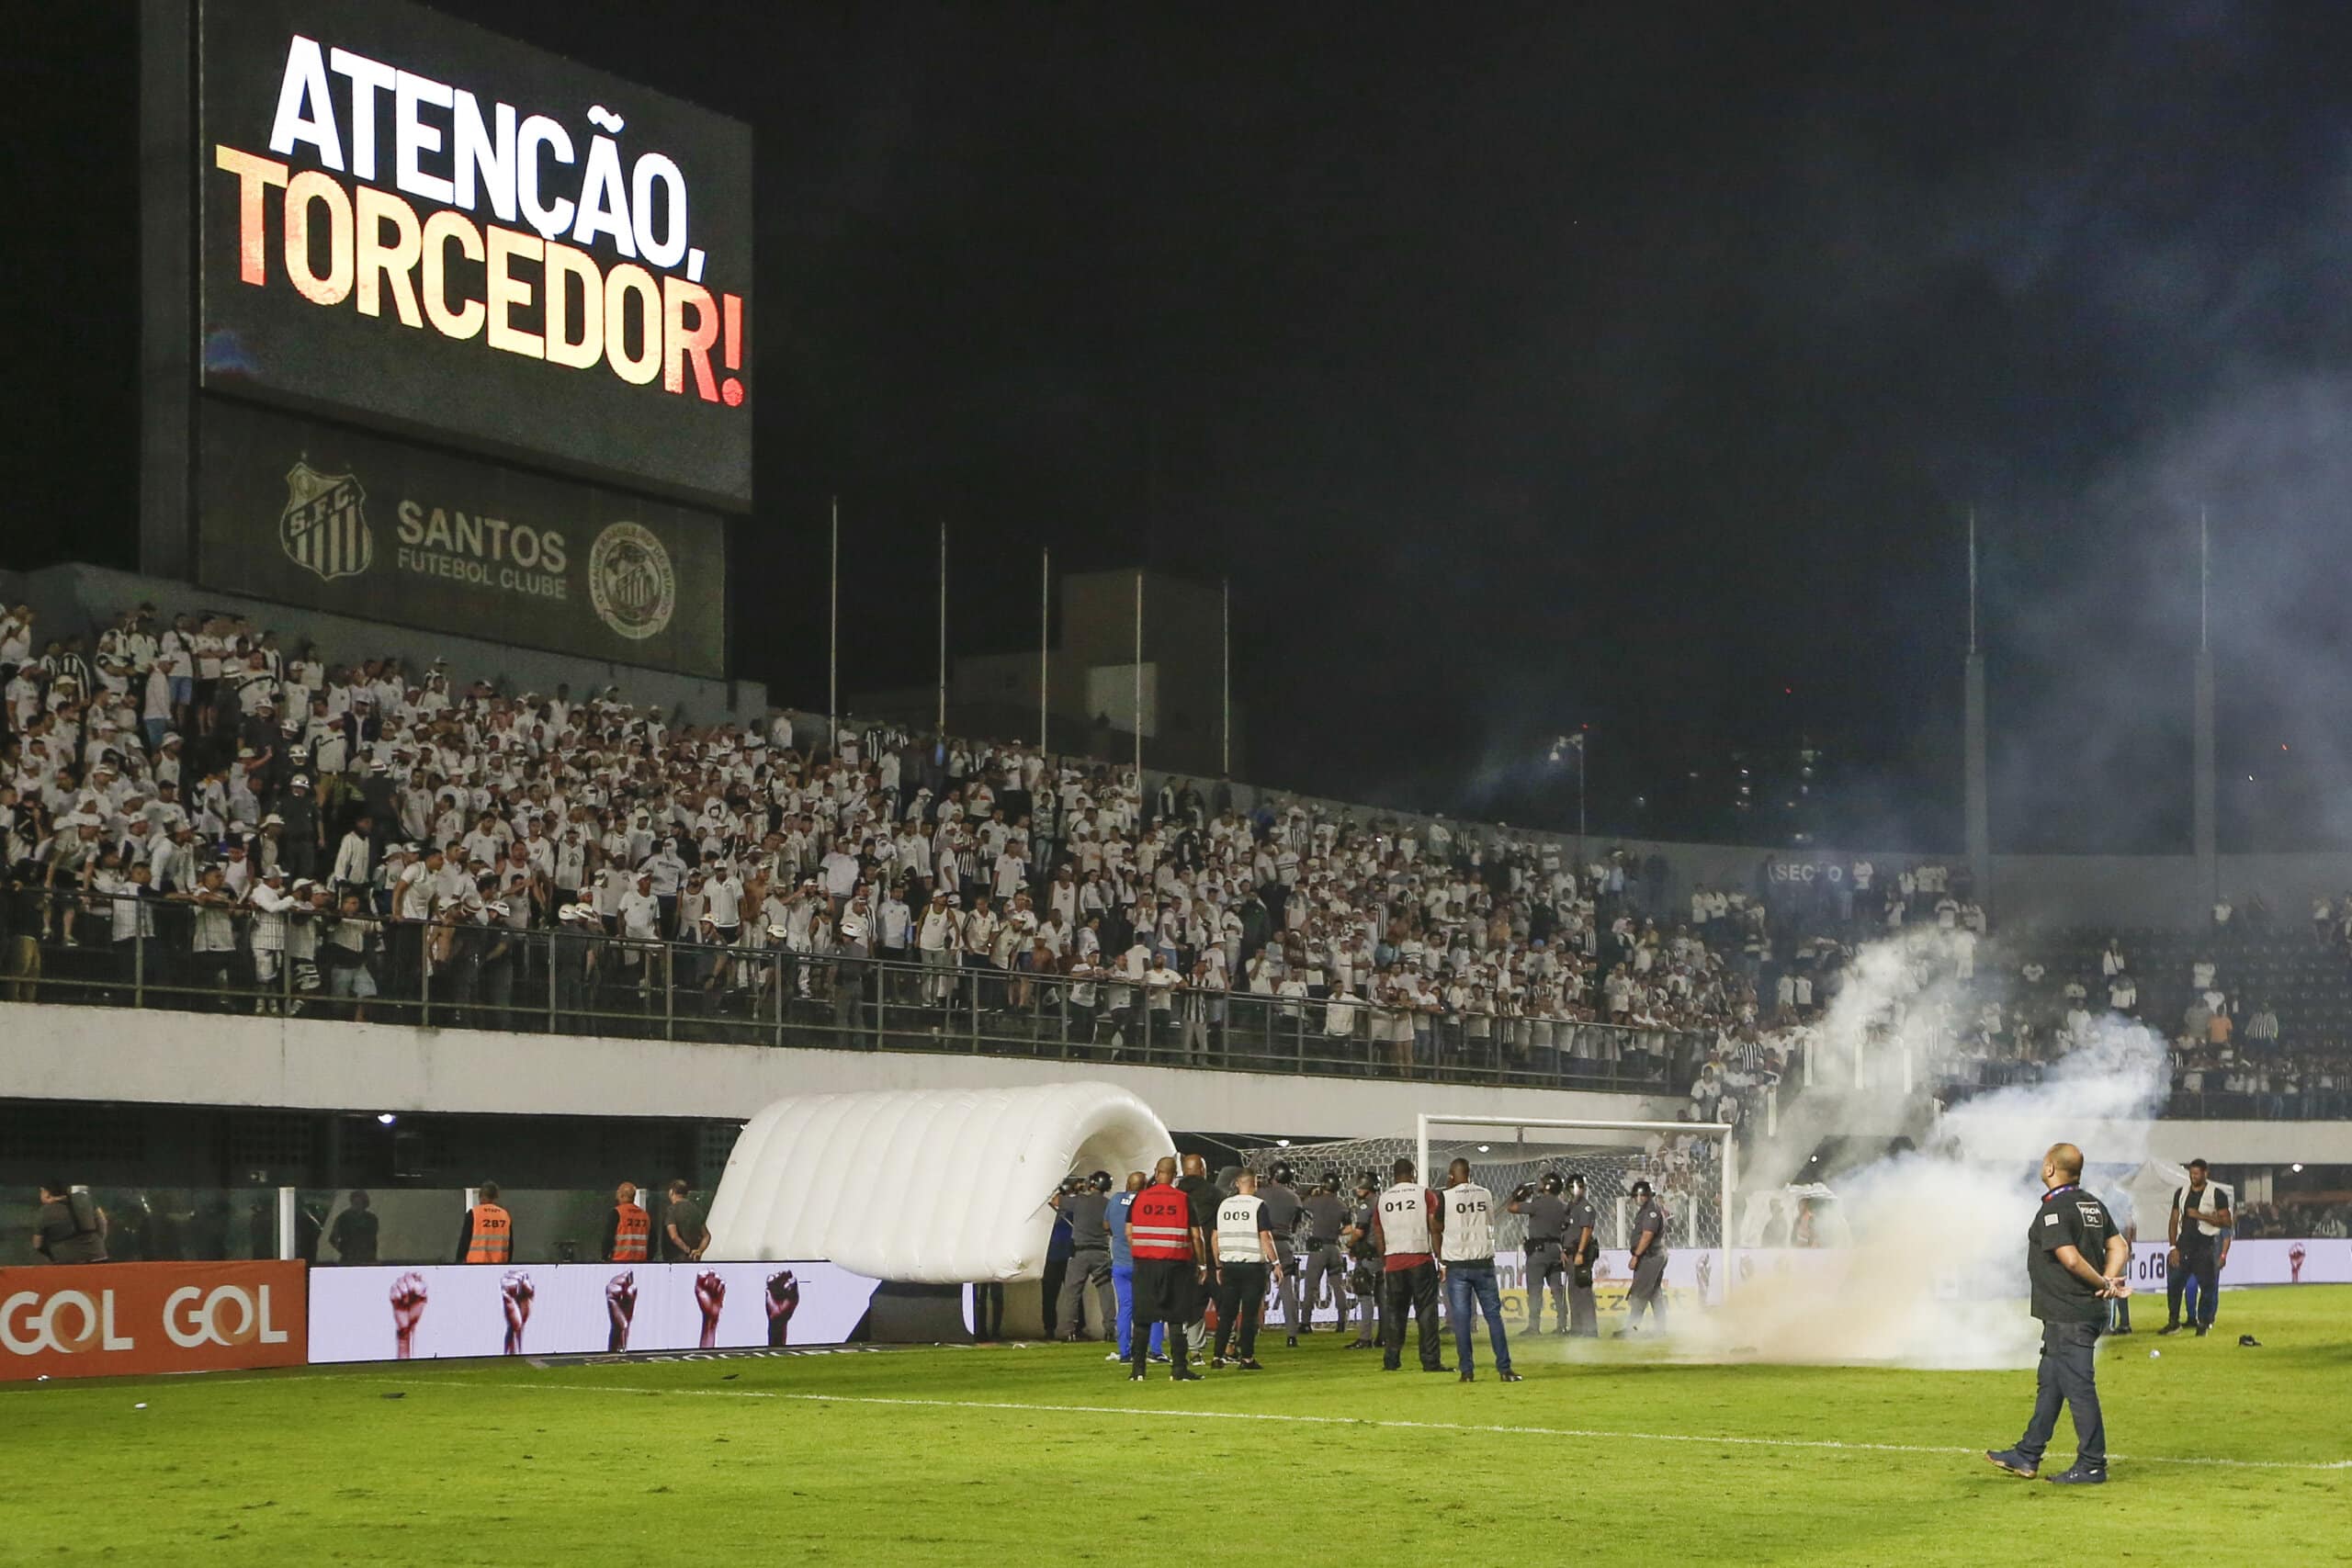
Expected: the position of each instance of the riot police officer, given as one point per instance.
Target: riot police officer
(1584, 1251)
(1648, 1251)
(1280, 1202)
(1327, 1217)
(1547, 1212)
(1086, 1204)
(1363, 1271)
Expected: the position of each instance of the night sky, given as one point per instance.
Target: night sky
(1528, 368)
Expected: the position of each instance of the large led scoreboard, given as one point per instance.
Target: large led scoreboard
(471, 329)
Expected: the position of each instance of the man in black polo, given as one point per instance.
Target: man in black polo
(2071, 1291)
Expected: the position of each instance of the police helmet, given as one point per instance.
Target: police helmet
(1332, 1180)
(1576, 1180)
(1640, 1189)
(1281, 1171)
(1099, 1182)
(1552, 1182)
(1367, 1182)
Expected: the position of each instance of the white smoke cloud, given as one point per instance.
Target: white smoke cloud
(1935, 1274)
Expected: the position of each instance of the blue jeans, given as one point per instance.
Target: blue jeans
(1466, 1283)
(1122, 1286)
(2067, 1379)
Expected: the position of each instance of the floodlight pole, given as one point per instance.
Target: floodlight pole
(833, 639)
(2202, 788)
(942, 736)
(1137, 714)
(1045, 637)
(1975, 811)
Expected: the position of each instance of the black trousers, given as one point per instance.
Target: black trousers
(2202, 1265)
(1163, 1295)
(2067, 1377)
(988, 1311)
(1240, 1306)
(1414, 1289)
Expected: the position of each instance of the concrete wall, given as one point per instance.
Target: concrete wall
(86, 599)
(99, 1053)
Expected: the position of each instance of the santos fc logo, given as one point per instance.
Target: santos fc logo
(630, 580)
(325, 527)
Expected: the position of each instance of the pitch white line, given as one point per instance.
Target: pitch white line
(1596, 1434)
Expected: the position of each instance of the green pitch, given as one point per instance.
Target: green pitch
(1047, 1454)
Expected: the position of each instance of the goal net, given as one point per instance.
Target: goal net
(1688, 1165)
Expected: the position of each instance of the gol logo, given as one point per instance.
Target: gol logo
(188, 1326)
(72, 1321)
(29, 1333)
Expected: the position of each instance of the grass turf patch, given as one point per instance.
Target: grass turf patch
(964, 1455)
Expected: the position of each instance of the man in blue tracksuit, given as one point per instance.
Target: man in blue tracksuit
(1122, 1271)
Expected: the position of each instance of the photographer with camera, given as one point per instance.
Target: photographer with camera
(70, 1226)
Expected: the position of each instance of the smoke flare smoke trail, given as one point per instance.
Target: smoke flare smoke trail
(1935, 1275)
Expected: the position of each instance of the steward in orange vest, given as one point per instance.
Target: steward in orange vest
(629, 1229)
(488, 1234)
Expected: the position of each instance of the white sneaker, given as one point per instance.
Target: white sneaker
(1114, 1356)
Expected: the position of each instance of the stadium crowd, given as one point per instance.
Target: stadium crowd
(222, 812)
(2253, 1030)
(226, 814)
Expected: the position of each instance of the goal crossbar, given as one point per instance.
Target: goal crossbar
(1722, 1130)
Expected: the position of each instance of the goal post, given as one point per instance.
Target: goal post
(1561, 1130)
(1688, 1165)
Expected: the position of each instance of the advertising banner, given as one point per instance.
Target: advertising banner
(411, 220)
(2277, 1261)
(449, 1310)
(316, 514)
(117, 1319)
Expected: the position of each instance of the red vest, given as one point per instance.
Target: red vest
(1159, 1226)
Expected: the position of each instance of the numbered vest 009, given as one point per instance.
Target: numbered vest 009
(1404, 1219)
(1469, 1223)
(1237, 1230)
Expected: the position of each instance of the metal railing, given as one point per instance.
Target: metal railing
(81, 948)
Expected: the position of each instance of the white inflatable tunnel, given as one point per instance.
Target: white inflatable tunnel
(927, 1186)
